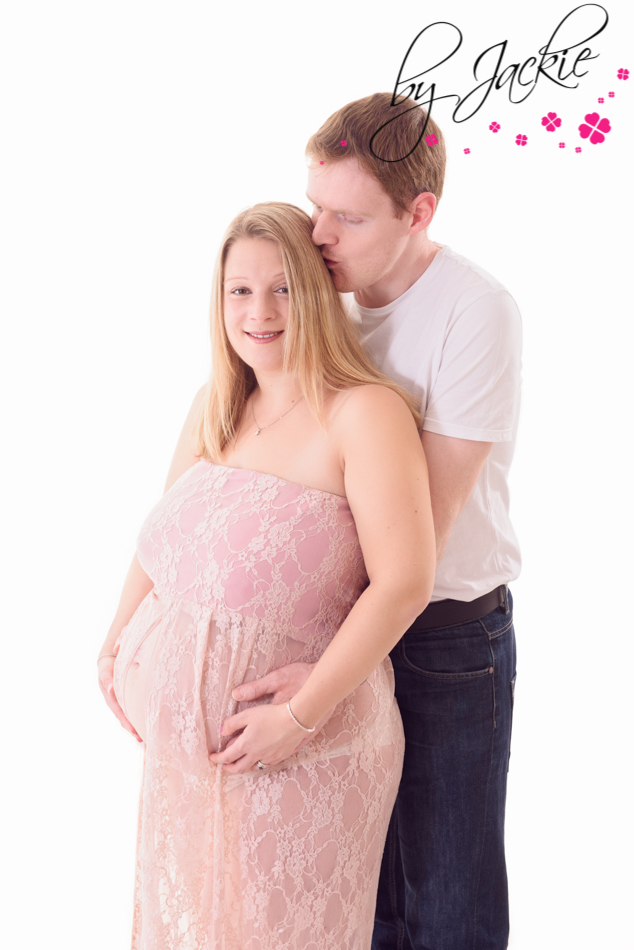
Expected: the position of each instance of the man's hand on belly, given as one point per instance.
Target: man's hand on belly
(281, 684)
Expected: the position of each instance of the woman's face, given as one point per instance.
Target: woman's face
(256, 303)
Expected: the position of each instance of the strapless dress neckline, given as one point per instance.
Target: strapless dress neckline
(278, 478)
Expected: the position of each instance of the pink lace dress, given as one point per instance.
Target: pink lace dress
(252, 572)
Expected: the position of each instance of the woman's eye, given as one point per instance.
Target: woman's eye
(239, 291)
(283, 290)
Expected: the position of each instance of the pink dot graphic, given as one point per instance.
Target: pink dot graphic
(343, 143)
(521, 139)
(623, 74)
(611, 95)
(551, 121)
(577, 149)
(595, 128)
(600, 99)
(467, 151)
(321, 163)
(495, 126)
(562, 145)
(431, 140)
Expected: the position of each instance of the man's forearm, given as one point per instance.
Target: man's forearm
(442, 528)
(454, 467)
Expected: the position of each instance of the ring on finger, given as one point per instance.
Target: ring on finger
(260, 764)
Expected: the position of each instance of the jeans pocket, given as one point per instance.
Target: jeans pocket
(450, 654)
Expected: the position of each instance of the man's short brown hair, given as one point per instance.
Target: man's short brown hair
(356, 124)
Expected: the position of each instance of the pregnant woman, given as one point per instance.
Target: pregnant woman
(296, 527)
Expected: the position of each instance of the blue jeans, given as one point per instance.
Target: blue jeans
(443, 877)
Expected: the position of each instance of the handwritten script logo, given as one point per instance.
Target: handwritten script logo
(560, 61)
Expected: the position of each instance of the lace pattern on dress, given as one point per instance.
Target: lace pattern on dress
(252, 572)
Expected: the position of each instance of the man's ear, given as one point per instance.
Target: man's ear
(422, 210)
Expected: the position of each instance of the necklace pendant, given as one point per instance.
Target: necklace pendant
(257, 431)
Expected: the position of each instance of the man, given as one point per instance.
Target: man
(450, 334)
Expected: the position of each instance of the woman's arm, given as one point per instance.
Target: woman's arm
(387, 488)
(185, 452)
(137, 584)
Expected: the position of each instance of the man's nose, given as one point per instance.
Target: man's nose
(323, 232)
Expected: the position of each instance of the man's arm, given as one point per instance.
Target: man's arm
(454, 466)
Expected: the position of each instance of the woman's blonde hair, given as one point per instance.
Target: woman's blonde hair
(321, 347)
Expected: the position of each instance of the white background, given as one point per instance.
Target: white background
(133, 132)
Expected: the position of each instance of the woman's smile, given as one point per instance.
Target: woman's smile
(263, 337)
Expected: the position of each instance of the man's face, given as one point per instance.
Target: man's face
(360, 238)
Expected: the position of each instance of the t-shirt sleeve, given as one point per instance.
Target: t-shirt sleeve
(475, 394)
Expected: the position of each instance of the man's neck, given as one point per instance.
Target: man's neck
(407, 270)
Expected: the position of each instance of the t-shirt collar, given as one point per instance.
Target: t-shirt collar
(370, 314)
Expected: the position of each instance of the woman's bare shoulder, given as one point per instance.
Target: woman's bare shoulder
(368, 401)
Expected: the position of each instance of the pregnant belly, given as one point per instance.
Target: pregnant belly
(178, 663)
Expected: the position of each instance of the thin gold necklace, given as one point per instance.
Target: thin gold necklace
(258, 428)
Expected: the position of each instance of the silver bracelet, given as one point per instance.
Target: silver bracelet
(296, 721)
(106, 654)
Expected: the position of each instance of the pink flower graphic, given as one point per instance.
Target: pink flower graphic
(600, 99)
(521, 139)
(321, 163)
(577, 149)
(431, 140)
(623, 74)
(343, 143)
(611, 95)
(495, 126)
(597, 128)
(551, 121)
(562, 145)
(467, 151)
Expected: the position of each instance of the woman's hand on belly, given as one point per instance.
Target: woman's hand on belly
(268, 735)
(280, 684)
(105, 670)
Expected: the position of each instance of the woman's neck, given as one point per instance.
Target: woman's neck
(276, 391)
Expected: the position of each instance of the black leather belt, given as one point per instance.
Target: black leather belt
(444, 613)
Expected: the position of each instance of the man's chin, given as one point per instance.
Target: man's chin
(341, 282)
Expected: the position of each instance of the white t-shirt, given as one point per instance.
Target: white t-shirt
(453, 339)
